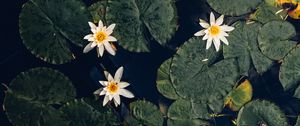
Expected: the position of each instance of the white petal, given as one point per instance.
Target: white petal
(94, 44)
(212, 18)
(204, 24)
(110, 29)
(220, 20)
(118, 74)
(100, 24)
(105, 100)
(116, 103)
(117, 99)
(92, 25)
(108, 76)
(224, 40)
(123, 84)
(110, 97)
(224, 34)
(100, 50)
(111, 39)
(227, 28)
(91, 39)
(88, 36)
(126, 93)
(205, 37)
(216, 42)
(88, 48)
(98, 91)
(200, 33)
(94, 30)
(109, 49)
(103, 83)
(208, 43)
(103, 92)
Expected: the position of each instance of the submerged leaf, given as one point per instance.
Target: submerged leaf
(239, 96)
(244, 46)
(142, 21)
(289, 74)
(234, 7)
(273, 39)
(146, 113)
(261, 112)
(164, 84)
(50, 27)
(32, 94)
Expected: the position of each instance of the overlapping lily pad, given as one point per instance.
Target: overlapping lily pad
(261, 112)
(80, 113)
(289, 74)
(234, 7)
(146, 113)
(31, 96)
(273, 39)
(141, 21)
(243, 45)
(268, 11)
(98, 11)
(239, 96)
(194, 77)
(164, 84)
(183, 112)
(49, 28)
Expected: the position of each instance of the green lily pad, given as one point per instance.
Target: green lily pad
(146, 113)
(98, 11)
(164, 84)
(234, 7)
(244, 46)
(273, 39)
(49, 27)
(141, 21)
(194, 78)
(289, 74)
(261, 112)
(298, 121)
(185, 112)
(297, 92)
(31, 96)
(81, 113)
(267, 11)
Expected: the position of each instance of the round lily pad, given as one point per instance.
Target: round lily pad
(289, 74)
(146, 113)
(164, 84)
(31, 96)
(268, 11)
(188, 113)
(139, 22)
(193, 77)
(273, 39)
(243, 45)
(261, 112)
(234, 7)
(81, 113)
(50, 28)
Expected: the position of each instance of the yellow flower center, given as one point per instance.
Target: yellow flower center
(100, 36)
(112, 87)
(214, 30)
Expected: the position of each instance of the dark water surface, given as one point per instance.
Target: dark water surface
(140, 69)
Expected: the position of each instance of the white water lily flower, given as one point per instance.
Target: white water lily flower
(214, 32)
(101, 38)
(113, 88)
